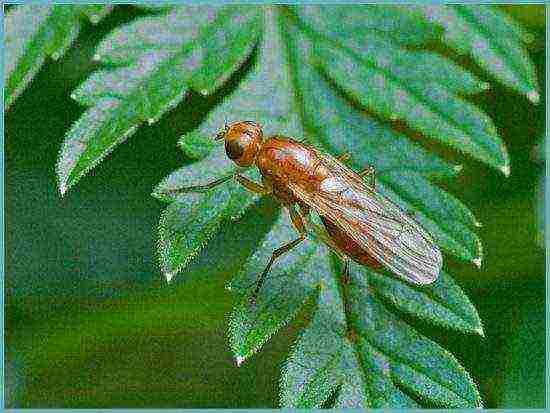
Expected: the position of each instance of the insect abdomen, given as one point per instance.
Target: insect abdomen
(349, 246)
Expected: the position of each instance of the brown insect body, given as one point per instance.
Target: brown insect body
(361, 224)
(349, 246)
(282, 161)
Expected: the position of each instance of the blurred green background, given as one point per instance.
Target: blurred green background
(91, 323)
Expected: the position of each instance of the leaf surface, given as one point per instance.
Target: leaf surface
(289, 284)
(340, 80)
(368, 371)
(493, 39)
(393, 83)
(192, 219)
(264, 96)
(413, 361)
(34, 32)
(400, 164)
(152, 63)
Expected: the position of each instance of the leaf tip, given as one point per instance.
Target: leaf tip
(478, 224)
(169, 277)
(484, 85)
(94, 19)
(239, 360)
(62, 187)
(96, 57)
(477, 261)
(458, 168)
(505, 170)
(161, 196)
(62, 190)
(479, 330)
(533, 96)
(55, 56)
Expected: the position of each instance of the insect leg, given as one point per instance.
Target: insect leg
(345, 273)
(370, 173)
(200, 188)
(323, 236)
(346, 281)
(299, 225)
(252, 186)
(343, 157)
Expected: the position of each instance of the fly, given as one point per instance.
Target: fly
(360, 224)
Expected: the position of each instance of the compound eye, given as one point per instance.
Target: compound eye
(234, 149)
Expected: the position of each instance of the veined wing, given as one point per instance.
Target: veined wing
(375, 223)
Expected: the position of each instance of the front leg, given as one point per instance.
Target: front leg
(252, 186)
(199, 188)
(296, 219)
(370, 174)
(247, 183)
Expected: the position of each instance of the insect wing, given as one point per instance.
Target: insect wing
(374, 222)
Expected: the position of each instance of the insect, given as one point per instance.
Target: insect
(360, 224)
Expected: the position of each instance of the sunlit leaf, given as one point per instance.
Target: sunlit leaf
(265, 96)
(493, 39)
(152, 62)
(366, 371)
(399, 162)
(339, 78)
(442, 302)
(34, 32)
(290, 283)
(189, 222)
(396, 84)
(412, 361)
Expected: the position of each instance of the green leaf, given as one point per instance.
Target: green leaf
(95, 12)
(322, 359)
(398, 23)
(189, 222)
(441, 303)
(492, 38)
(386, 356)
(340, 78)
(197, 146)
(153, 62)
(263, 95)
(286, 93)
(368, 140)
(394, 83)
(325, 359)
(287, 288)
(439, 212)
(393, 156)
(412, 361)
(35, 32)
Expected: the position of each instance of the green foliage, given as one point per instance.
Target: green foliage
(187, 224)
(150, 65)
(34, 32)
(418, 87)
(493, 39)
(343, 78)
